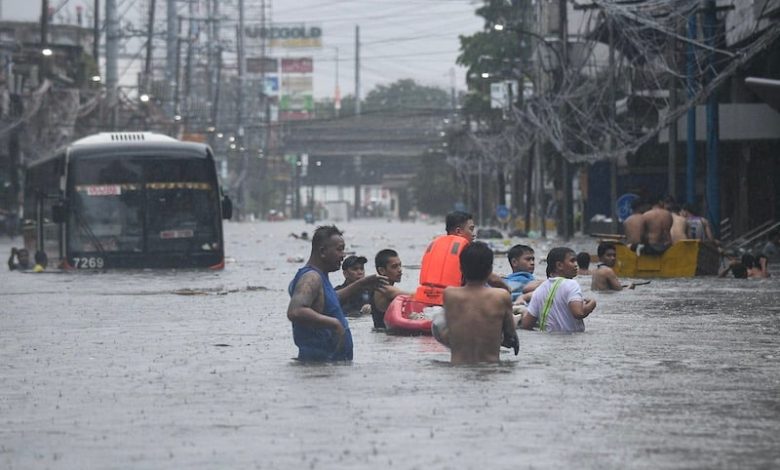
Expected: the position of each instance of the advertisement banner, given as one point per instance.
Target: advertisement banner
(286, 35)
(298, 65)
(297, 102)
(260, 65)
(294, 116)
(271, 86)
(297, 84)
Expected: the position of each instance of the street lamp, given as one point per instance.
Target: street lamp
(47, 52)
(144, 98)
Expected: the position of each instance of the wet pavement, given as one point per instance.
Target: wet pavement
(194, 369)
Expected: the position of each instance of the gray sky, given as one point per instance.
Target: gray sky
(399, 38)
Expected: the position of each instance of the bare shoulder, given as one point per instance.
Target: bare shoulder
(453, 293)
(307, 289)
(500, 296)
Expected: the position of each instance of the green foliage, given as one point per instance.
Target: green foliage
(406, 93)
(497, 53)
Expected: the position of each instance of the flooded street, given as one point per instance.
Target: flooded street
(194, 369)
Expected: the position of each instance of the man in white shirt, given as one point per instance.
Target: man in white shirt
(557, 304)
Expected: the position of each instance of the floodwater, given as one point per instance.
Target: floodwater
(194, 370)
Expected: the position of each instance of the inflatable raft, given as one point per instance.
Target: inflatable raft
(397, 316)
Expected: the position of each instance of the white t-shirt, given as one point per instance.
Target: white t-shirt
(559, 318)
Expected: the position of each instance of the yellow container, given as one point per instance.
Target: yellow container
(686, 258)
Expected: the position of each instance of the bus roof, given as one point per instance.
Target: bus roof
(111, 143)
(124, 137)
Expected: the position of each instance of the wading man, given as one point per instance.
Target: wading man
(604, 277)
(479, 318)
(558, 305)
(440, 266)
(320, 328)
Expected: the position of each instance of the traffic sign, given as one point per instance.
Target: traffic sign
(502, 213)
(624, 205)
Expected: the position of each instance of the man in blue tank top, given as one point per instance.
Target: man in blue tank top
(320, 328)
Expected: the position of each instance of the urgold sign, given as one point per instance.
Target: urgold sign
(298, 35)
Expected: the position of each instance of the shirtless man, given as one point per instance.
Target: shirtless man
(657, 229)
(479, 318)
(633, 226)
(604, 277)
(388, 264)
(679, 230)
(320, 328)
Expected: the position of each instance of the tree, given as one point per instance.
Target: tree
(499, 54)
(406, 93)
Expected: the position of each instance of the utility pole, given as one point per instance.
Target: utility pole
(690, 170)
(172, 54)
(149, 48)
(357, 70)
(177, 74)
(44, 60)
(672, 164)
(610, 143)
(713, 132)
(96, 35)
(215, 59)
(191, 25)
(112, 56)
(539, 91)
(241, 72)
(563, 26)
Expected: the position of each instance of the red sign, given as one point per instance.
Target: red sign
(294, 115)
(300, 65)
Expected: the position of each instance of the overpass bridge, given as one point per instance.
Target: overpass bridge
(378, 148)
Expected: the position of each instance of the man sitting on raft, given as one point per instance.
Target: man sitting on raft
(440, 266)
(478, 318)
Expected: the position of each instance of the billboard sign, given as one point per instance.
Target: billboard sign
(259, 65)
(296, 102)
(297, 84)
(298, 65)
(271, 85)
(287, 35)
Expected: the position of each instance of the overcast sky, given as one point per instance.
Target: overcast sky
(399, 38)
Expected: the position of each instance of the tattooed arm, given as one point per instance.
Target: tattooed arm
(306, 299)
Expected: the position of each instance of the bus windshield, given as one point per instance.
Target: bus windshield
(144, 205)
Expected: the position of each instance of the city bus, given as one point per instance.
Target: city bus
(126, 200)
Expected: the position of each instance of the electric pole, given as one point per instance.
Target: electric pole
(112, 53)
(172, 54)
(563, 25)
(357, 70)
(149, 48)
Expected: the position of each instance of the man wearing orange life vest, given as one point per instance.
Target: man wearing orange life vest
(440, 266)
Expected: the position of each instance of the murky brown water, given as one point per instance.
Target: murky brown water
(115, 370)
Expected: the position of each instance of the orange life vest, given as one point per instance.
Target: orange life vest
(440, 268)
